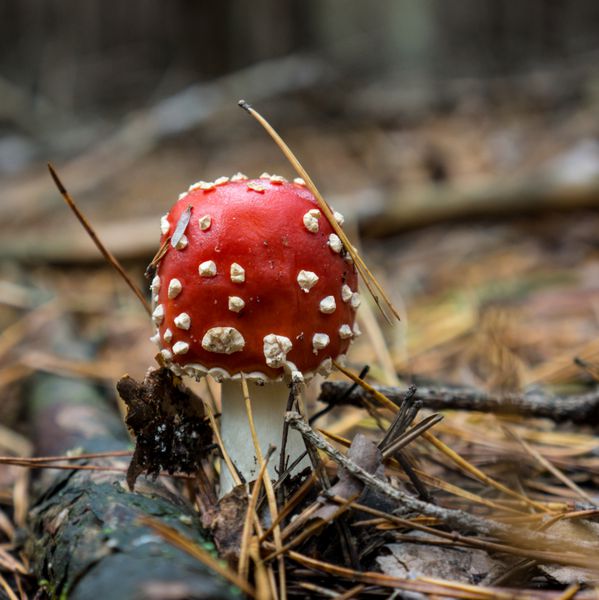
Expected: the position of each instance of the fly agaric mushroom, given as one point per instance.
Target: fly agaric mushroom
(255, 282)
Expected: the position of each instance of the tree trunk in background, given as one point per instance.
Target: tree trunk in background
(95, 55)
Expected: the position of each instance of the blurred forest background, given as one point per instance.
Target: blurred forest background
(72, 71)
(412, 116)
(460, 140)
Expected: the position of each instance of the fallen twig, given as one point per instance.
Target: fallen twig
(456, 519)
(582, 408)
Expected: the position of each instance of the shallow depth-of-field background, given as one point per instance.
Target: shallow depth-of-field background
(460, 141)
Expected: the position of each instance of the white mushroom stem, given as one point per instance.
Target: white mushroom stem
(269, 402)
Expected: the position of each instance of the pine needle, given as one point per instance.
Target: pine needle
(9, 593)
(369, 279)
(172, 536)
(434, 481)
(478, 474)
(550, 466)
(110, 258)
(244, 555)
(219, 441)
(569, 592)
(443, 448)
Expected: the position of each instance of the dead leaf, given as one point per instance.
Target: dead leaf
(168, 421)
(228, 521)
(364, 453)
(414, 559)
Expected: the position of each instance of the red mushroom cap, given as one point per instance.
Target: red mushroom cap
(254, 281)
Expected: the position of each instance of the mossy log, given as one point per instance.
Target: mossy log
(85, 539)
